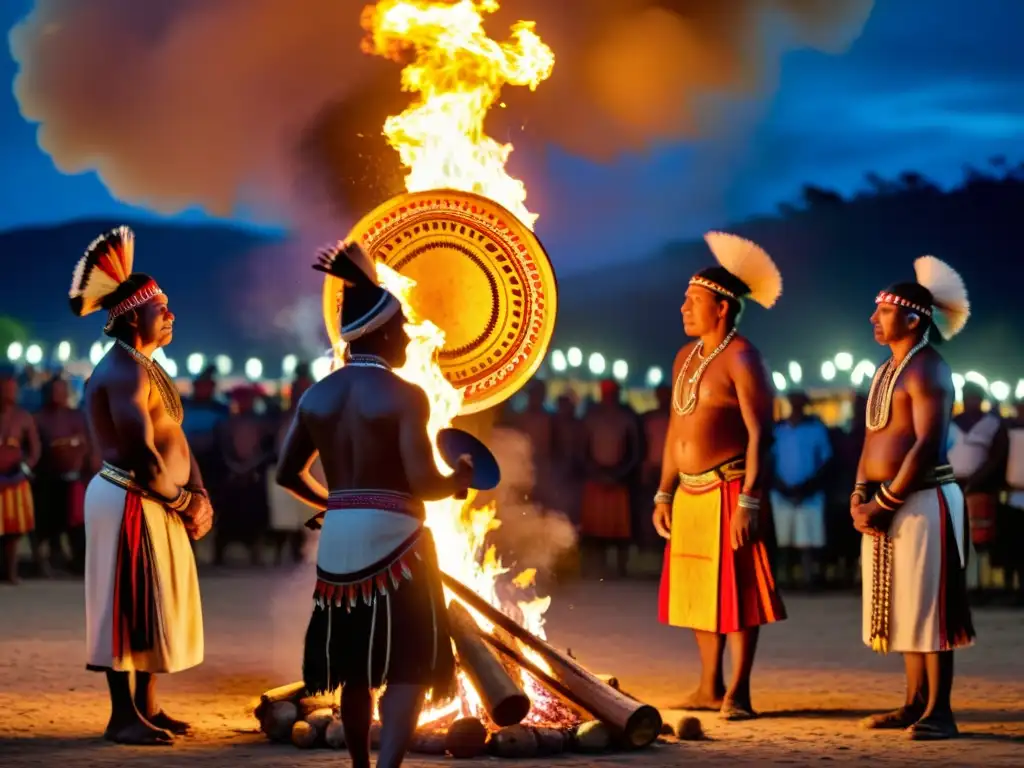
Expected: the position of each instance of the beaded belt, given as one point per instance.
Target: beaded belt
(389, 501)
(122, 479)
(730, 470)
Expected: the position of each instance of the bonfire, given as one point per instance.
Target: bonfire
(516, 692)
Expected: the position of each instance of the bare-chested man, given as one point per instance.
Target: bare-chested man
(716, 578)
(19, 452)
(907, 504)
(143, 613)
(379, 616)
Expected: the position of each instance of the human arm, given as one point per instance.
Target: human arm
(30, 438)
(297, 455)
(417, 453)
(128, 401)
(754, 394)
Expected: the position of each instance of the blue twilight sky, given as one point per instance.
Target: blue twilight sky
(929, 85)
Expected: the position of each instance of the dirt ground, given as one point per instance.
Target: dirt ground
(813, 681)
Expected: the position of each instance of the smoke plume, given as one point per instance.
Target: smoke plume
(251, 105)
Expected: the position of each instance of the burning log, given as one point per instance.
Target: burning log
(504, 700)
(291, 692)
(638, 724)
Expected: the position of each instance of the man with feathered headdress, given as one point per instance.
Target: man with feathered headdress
(142, 605)
(716, 579)
(379, 614)
(907, 503)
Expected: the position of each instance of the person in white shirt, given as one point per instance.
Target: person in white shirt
(801, 454)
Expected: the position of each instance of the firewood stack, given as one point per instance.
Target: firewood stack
(582, 712)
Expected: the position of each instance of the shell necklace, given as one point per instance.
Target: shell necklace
(161, 380)
(879, 407)
(684, 391)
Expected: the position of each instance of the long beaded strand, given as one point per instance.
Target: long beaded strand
(679, 387)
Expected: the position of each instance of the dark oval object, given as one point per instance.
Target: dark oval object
(452, 443)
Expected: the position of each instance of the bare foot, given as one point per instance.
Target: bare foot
(898, 719)
(699, 701)
(933, 728)
(736, 710)
(138, 733)
(168, 723)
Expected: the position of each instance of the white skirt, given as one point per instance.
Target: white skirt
(928, 600)
(174, 583)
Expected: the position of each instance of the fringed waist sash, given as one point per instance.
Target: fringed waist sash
(881, 572)
(135, 619)
(387, 572)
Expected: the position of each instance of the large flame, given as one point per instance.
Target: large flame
(457, 74)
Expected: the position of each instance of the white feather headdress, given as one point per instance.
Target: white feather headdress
(949, 294)
(750, 263)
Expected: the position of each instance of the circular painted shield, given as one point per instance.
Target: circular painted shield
(481, 276)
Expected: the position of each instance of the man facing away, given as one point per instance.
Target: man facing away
(716, 578)
(379, 614)
(907, 504)
(142, 605)
(19, 453)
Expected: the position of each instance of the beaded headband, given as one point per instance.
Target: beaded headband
(703, 282)
(885, 297)
(136, 300)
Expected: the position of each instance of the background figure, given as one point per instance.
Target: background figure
(244, 512)
(841, 538)
(978, 458)
(19, 453)
(67, 463)
(801, 453)
(204, 415)
(289, 514)
(1010, 523)
(655, 431)
(614, 449)
(537, 423)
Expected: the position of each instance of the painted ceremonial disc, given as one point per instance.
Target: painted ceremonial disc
(481, 276)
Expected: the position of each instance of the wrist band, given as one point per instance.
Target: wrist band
(891, 497)
(663, 497)
(860, 491)
(183, 500)
(884, 503)
(749, 502)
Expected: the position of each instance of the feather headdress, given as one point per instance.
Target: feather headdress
(366, 305)
(949, 294)
(106, 265)
(758, 277)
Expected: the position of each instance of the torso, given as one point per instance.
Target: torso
(353, 416)
(885, 449)
(714, 432)
(537, 425)
(608, 434)
(168, 436)
(64, 438)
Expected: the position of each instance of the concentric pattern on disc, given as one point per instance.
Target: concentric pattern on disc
(481, 276)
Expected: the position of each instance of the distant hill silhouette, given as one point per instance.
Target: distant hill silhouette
(230, 284)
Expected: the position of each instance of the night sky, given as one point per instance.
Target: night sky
(929, 85)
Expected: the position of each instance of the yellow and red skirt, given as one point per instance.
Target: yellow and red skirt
(17, 512)
(705, 584)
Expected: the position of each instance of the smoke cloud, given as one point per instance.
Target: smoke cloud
(246, 105)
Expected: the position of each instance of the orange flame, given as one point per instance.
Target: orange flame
(457, 73)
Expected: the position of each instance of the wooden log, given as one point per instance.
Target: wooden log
(504, 700)
(290, 692)
(637, 724)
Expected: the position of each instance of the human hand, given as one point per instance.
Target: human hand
(871, 519)
(743, 528)
(662, 519)
(198, 515)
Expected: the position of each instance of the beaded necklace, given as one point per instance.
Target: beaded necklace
(683, 388)
(366, 361)
(161, 380)
(879, 407)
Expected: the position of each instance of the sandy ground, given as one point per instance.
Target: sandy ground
(813, 681)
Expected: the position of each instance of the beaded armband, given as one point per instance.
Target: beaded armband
(663, 497)
(888, 500)
(749, 502)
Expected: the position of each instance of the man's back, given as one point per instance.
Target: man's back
(353, 418)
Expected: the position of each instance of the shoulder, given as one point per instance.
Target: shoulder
(744, 358)
(928, 372)
(681, 355)
(119, 373)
